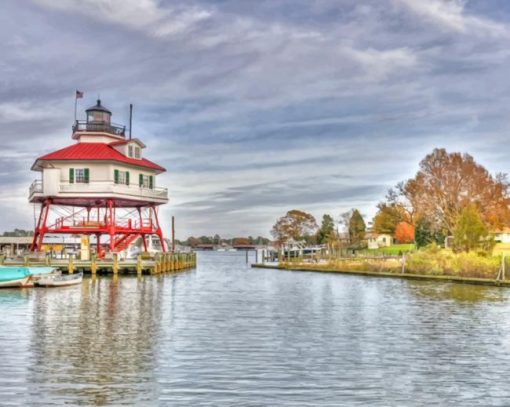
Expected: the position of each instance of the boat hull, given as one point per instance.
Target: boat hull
(22, 282)
(22, 276)
(59, 280)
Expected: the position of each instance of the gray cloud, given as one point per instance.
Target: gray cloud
(258, 107)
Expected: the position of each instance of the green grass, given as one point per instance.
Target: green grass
(394, 250)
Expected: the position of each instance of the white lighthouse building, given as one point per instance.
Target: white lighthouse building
(102, 185)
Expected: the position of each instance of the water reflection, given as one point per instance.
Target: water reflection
(98, 344)
(13, 297)
(463, 293)
(228, 335)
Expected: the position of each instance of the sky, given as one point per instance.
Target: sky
(258, 107)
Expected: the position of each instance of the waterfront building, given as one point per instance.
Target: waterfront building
(102, 186)
(378, 240)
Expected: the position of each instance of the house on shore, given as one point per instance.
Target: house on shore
(378, 240)
(502, 235)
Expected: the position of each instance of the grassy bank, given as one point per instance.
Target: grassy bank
(431, 261)
(395, 250)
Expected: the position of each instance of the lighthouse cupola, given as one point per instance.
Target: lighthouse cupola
(98, 126)
(98, 114)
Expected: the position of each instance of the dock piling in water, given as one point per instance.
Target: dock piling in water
(70, 267)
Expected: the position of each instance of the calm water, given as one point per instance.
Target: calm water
(227, 335)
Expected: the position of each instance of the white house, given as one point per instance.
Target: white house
(378, 240)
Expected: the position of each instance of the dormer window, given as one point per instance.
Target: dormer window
(134, 151)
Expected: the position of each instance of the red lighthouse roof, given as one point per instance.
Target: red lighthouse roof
(96, 152)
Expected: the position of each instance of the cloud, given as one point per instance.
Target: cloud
(256, 108)
(450, 14)
(143, 15)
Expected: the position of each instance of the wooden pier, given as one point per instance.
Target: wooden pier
(143, 264)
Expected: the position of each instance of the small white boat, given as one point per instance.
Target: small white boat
(59, 280)
(38, 273)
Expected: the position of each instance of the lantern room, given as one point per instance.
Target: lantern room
(98, 123)
(98, 114)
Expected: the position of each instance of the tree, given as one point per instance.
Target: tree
(469, 230)
(295, 225)
(388, 216)
(241, 241)
(357, 228)
(18, 233)
(404, 232)
(425, 233)
(327, 229)
(193, 241)
(446, 184)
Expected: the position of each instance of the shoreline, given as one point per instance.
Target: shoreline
(383, 274)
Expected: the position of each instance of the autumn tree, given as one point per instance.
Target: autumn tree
(404, 232)
(469, 230)
(388, 216)
(241, 241)
(445, 184)
(296, 225)
(327, 230)
(357, 228)
(193, 241)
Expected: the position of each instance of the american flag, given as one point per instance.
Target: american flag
(79, 94)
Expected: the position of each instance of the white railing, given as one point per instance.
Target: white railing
(104, 187)
(36, 187)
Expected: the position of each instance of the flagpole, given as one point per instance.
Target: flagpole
(75, 105)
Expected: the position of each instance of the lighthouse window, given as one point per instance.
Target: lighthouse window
(130, 151)
(146, 181)
(121, 177)
(79, 175)
(137, 152)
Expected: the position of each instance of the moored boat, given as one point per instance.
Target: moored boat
(59, 280)
(41, 272)
(14, 277)
(23, 276)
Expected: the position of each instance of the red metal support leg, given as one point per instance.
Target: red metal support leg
(37, 228)
(159, 232)
(42, 228)
(111, 225)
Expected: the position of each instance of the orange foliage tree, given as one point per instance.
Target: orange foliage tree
(446, 184)
(404, 232)
(296, 225)
(241, 241)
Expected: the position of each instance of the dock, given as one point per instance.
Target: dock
(143, 264)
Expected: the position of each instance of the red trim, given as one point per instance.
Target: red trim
(96, 152)
(121, 233)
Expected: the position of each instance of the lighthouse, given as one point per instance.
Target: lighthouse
(101, 186)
